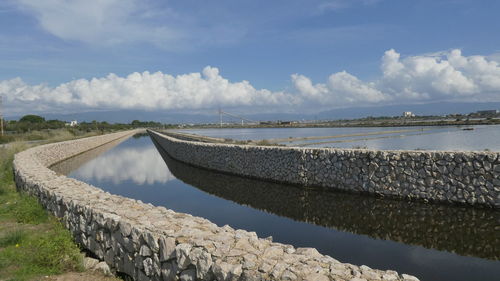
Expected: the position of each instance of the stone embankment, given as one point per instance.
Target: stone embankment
(471, 178)
(153, 243)
(444, 227)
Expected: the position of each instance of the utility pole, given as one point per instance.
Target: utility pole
(1, 116)
(220, 116)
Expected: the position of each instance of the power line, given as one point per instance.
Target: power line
(221, 112)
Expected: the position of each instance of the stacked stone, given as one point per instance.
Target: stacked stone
(154, 243)
(446, 226)
(471, 178)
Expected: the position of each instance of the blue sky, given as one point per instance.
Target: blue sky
(46, 44)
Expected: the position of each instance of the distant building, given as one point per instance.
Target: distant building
(487, 112)
(408, 114)
(72, 123)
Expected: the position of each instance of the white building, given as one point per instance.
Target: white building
(72, 123)
(408, 114)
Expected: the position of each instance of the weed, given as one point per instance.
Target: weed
(264, 142)
(28, 210)
(39, 244)
(40, 253)
(56, 251)
(14, 237)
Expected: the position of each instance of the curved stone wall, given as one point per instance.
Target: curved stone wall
(458, 229)
(154, 243)
(459, 177)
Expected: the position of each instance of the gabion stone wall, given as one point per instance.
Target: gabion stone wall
(154, 243)
(460, 177)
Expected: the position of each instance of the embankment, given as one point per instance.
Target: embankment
(154, 243)
(471, 178)
(444, 227)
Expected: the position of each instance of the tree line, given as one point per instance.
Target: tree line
(31, 122)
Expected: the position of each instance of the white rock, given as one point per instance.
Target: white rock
(90, 263)
(182, 253)
(103, 268)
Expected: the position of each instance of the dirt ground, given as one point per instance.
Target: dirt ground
(79, 276)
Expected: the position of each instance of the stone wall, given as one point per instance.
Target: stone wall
(153, 243)
(446, 226)
(460, 177)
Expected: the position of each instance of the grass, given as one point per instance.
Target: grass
(52, 135)
(32, 242)
(33, 252)
(13, 237)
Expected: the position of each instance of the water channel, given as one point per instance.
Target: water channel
(430, 241)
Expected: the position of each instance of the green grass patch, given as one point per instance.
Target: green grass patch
(37, 252)
(27, 210)
(14, 237)
(32, 242)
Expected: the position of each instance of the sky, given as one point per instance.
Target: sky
(60, 56)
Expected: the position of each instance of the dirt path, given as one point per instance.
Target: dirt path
(79, 276)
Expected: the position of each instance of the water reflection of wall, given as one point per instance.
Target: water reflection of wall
(142, 165)
(66, 166)
(465, 231)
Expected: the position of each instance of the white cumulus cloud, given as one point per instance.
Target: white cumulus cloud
(150, 91)
(444, 76)
(432, 77)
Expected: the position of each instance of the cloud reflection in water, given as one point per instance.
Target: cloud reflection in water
(142, 165)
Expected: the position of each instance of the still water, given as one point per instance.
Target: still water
(432, 242)
(386, 138)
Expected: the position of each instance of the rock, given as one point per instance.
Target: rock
(142, 277)
(273, 252)
(316, 277)
(152, 241)
(128, 265)
(156, 265)
(188, 275)
(125, 228)
(169, 271)
(389, 277)
(89, 263)
(407, 277)
(487, 166)
(103, 268)
(148, 266)
(203, 262)
(182, 253)
(167, 248)
(145, 251)
(311, 252)
(251, 275)
(288, 275)
(496, 168)
(227, 272)
(278, 270)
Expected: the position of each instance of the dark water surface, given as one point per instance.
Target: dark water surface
(432, 242)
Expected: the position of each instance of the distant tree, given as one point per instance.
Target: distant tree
(32, 119)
